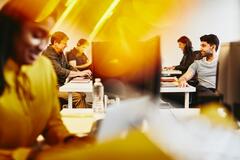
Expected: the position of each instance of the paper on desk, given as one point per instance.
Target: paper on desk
(80, 80)
(169, 81)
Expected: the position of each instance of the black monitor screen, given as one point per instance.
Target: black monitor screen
(134, 65)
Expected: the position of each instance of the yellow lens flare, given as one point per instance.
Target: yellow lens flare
(71, 4)
(218, 115)
(156, 12)
(103, 19)
(120, 61)
(47, 9)
(137, 20)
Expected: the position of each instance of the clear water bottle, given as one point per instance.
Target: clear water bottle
(98, 93)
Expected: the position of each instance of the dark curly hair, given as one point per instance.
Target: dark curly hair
(211, 39)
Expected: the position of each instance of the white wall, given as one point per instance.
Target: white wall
(194, 18)
(199, 17)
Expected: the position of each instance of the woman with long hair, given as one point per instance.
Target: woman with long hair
(185, 45)
(29, 104)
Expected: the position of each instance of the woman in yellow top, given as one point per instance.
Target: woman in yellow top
(28, 96)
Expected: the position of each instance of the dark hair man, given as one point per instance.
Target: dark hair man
(206, 67)
(63, 70)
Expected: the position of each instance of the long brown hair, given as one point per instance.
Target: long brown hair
(11, 26)
(188, 48)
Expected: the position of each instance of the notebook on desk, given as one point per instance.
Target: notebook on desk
(171, 72)
(80, 80)
(169, 81)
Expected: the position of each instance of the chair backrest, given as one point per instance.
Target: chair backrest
(228, 77)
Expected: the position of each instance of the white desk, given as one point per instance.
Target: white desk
(76, 87)
(88, 87)
(79, 120)
(186, 90)
(169, 72)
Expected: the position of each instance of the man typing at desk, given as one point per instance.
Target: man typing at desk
(205, 68)
(63, 70)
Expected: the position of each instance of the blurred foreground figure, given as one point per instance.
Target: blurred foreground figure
(138, 129)
(28, 96)
(210, 135)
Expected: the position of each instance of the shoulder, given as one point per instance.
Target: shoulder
(42, 63)
(71, 53)
(44, 67)
(74, 51)
(41, 74)
(191, 56)
(83, 57)
(195, 64)
(200, 61)
(49, 52)
(41, 69)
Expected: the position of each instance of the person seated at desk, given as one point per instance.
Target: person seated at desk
(198, 54)
(76, 57)
(205, 67)
(64, 70)
(29, 104)
(185, 45)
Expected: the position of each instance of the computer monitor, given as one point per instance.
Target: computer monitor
(128, 69)
(228, 77)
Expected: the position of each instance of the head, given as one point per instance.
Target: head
(21, 37)
(209, 44)
(82, 45)
(59, 41)
(185, 44)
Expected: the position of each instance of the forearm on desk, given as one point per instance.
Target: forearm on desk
(186, 76)
(73, 74)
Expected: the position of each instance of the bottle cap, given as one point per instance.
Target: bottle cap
(97, 79)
